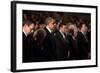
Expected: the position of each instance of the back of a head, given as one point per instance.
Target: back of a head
(81, 24)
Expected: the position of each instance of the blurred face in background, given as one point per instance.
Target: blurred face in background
(84, 28)
(28, 28)
(71, 29)
(66, 30)
(63, 28)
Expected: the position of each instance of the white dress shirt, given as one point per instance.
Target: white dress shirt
(48, 29)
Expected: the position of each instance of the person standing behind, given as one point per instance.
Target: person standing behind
(83, 44)
(61, 42)
(39, 36)
(28, 43)
(49, 47)
(72, 42)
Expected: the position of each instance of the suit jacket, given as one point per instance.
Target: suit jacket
(61, 46)
(49, 47)
(83, 46)
(29, 49)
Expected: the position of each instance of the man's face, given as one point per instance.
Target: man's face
(84, 28)
(29, 28)
(64, 28)
(52, 25)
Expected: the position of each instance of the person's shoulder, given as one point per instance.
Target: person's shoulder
(45, 29)
(79, 34)
(57, 33)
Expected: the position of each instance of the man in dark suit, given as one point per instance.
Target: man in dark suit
(28, 43)
(49, 41)
(61, 43)
(82, 41)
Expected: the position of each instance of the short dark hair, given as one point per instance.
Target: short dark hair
(81, 24)
(28, 22)
(61, 24)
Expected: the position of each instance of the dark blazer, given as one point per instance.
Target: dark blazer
(83, 46)
(61, 46)
(29, 49)
(49, 47)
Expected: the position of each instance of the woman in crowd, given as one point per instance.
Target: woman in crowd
(72, 42)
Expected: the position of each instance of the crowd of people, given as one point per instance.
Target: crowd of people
(49, 38)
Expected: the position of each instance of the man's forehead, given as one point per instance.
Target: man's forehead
(32, 25)
(84, 25)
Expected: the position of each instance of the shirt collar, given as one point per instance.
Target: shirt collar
(48, 29)
(83, 33)
(25, 33)
(62, 34)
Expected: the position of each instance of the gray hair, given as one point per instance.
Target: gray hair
(48, 20)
